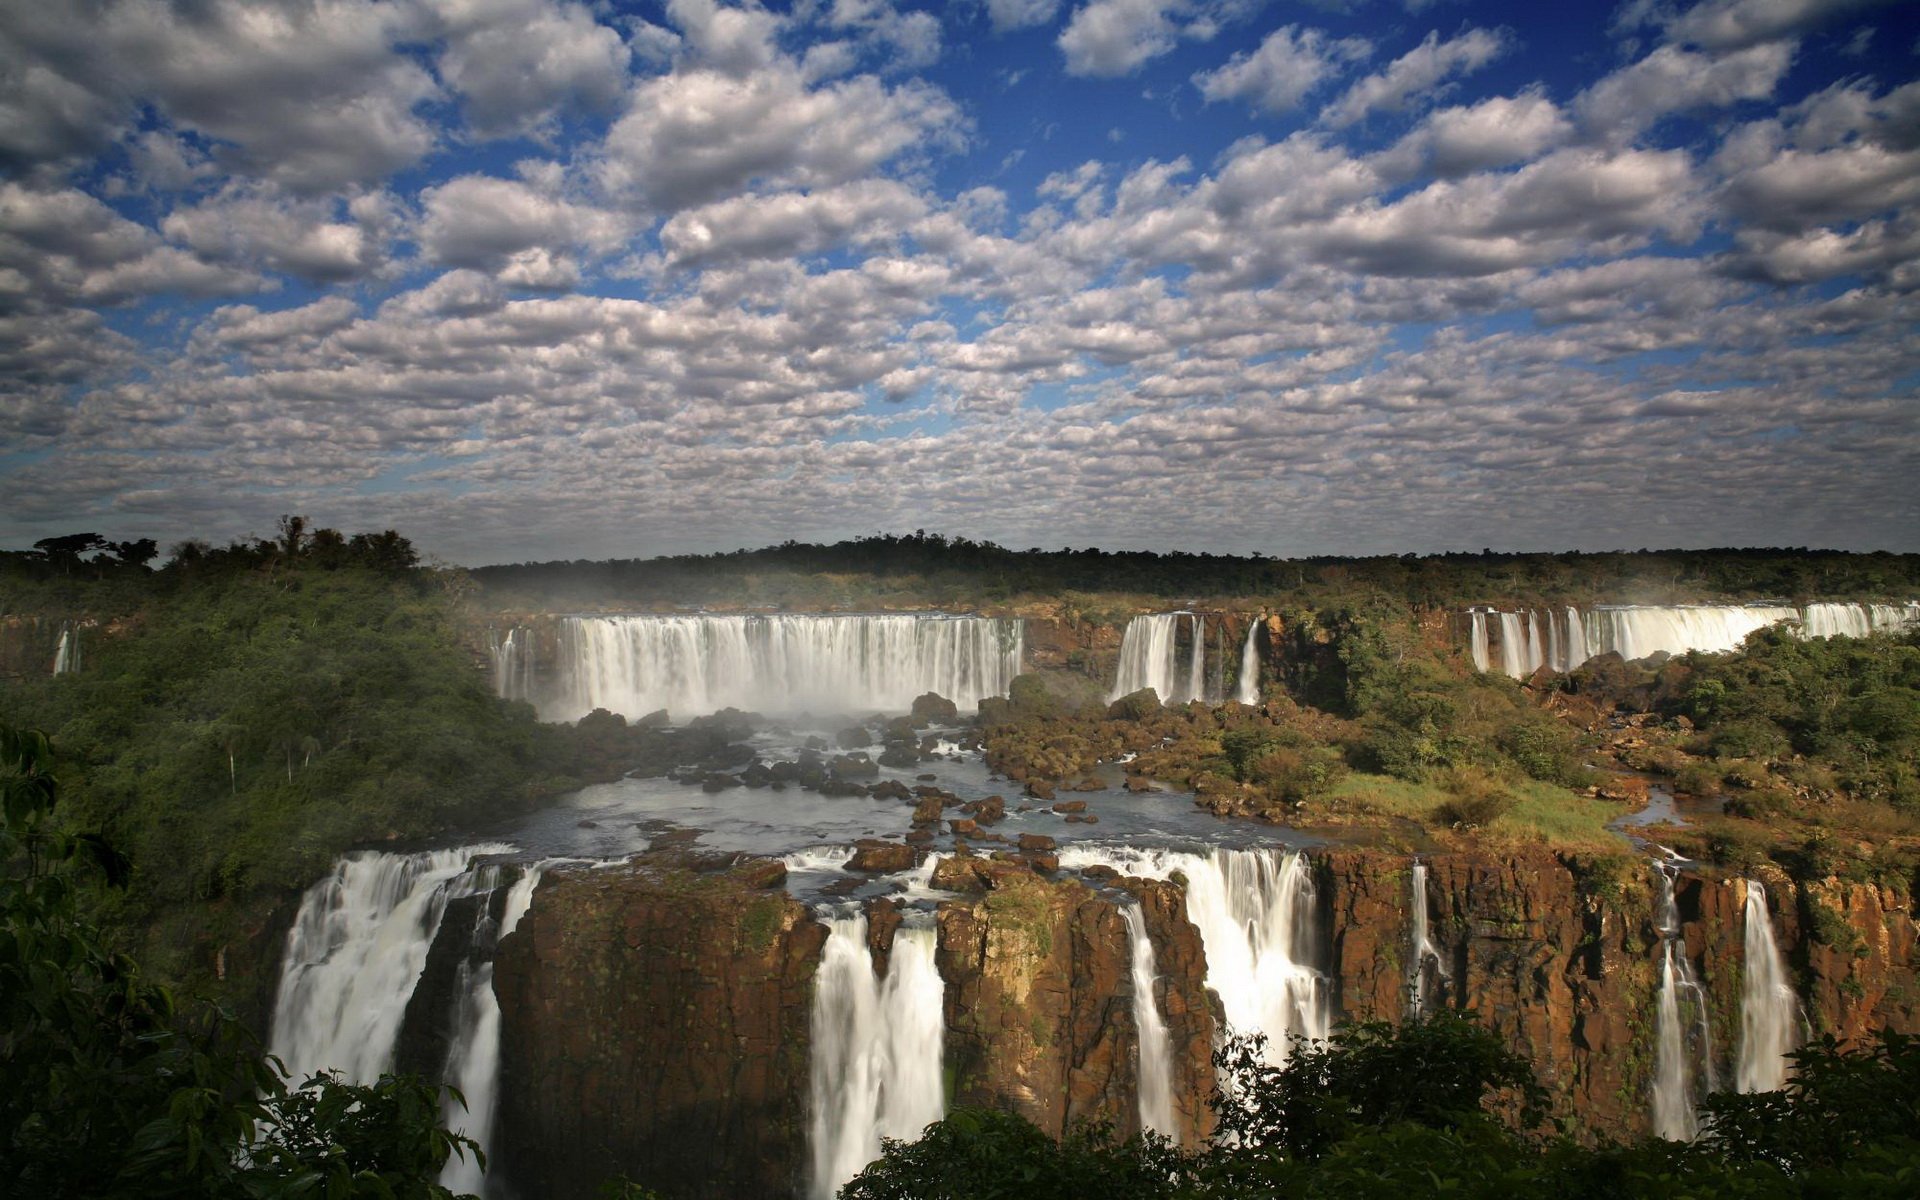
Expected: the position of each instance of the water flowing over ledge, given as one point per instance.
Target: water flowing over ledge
(1683, 1057)
(1769, 1009)
(784, 663)
(1563, 638)
(1152, 654)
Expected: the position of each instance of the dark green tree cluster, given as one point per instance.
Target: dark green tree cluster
(1437, 1107)
(107, 1091)
(1852, 704)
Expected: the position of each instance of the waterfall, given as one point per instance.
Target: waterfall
(691, 665)
(876, 1069)
(473, 1066)
(1857, 620)
(1427, 967)
(1636, 631)
(512, 663)
(1256, 911)
(1577, 651)
(1683, 1051)
(66, 652)
(1156, 1048)
(1769, 1010)
(1249, 685)
(356, 951)
(1149, 657)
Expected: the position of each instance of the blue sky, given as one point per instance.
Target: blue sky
(536, 279)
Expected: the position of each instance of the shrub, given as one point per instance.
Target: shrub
(1475, 799)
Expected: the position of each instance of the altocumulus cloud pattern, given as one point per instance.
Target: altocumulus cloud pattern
(540, 278)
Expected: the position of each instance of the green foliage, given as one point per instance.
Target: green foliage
(110, 1092)
(1840, 1103)
(1361, 1079)
(1240, 747)
(983, 1154)
(1474, 799)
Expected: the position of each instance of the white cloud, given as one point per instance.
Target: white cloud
(1493, 133)
(481, 221)
(1671, 80)
(1020, 14)
(1417, 73)
(790, 224)
(262, 229)
(696, 135)
(518, 64)
(1105, 38)
(1289, 65)
(1737, 24)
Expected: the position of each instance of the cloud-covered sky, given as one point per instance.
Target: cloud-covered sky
(537, 279)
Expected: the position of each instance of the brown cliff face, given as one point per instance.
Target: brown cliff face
(654, 1023)
(1040, 1001)
(1543, 949)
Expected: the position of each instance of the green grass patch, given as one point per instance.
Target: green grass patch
(1541, 812)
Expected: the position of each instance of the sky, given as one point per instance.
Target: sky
(545, 279)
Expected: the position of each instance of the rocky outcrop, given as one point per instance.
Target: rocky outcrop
(654, 1024)
(1040, 1000)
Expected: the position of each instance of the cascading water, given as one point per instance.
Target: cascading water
(1682, 1053)
(1769, 1009)
(876, 1069)
(356, 951)
(1636, 631)
(473, 1066)
(513, 664)
(691, 665)
(1156, 1048)
(1248, 689)
(66, 652)
(1150, 654)
(1256, 912)
(1427, 968)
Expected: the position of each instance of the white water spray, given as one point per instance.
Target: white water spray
(1769, 1009)
(1683, 1051)
(692, 665)
(1256, 912)
(513, 663)
(356, 951)
(1156, 1048)
(66, 652)
(1150, 654)
(1248, 691)
(876, 1069)
(1427, 967)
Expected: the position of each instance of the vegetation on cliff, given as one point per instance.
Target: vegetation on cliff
(111, 1091)
(1439, 1106)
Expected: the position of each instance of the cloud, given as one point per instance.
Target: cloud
(1106, 38)
(1738, 24)
(483, 222)
(1493, 133)
(1417, 73)
(1020, 14)
(519, 64)
(65, 247)
(693, 136)
(1289, 65)
(790, 223)
(261, 229)
(1670, 80)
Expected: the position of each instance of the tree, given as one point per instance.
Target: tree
(110, 1092)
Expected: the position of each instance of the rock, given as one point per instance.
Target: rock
(615, 992)
(757, 775)
(931, 707)
(853, 737)
(928, 811)
(855, 765)
(881, 857)
(718, 782)
(657, 719)
(1070, 806)
(1036, 842)
(586, 824)
(1135, 783)
(964, 827)
(898, 756)
(991, 810)
(1135, 706)
(1045, 862)
(835, 786)
(1039, 789)
(890, 789)
(1089, 784)
(926, 778)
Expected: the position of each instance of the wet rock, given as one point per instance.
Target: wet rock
(1039, 789)
(757, 775)
(856, 765)
(928, 811)
(887, 858)
(1036, 842)
(890, 789)
(835, 786)
(964, 827)
(898, 756)
(931, 707)
(719, 782)
(854, 737)
(1070, 806)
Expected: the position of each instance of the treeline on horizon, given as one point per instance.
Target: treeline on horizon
(938, 567)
